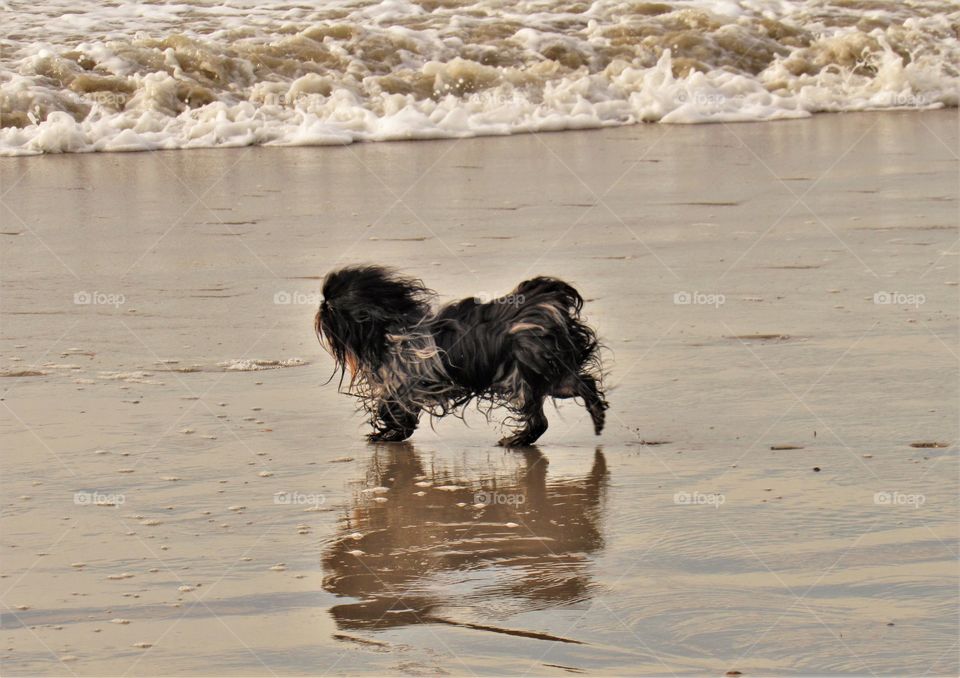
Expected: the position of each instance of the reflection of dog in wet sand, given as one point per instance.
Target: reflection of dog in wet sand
(405, 358)
(407, 560)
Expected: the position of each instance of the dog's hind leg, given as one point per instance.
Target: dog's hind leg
(393, 423)
(534, 424)
(593, 399)
(584, 386)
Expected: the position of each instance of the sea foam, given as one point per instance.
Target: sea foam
(168, 75)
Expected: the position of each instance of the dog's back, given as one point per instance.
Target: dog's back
(523, 346)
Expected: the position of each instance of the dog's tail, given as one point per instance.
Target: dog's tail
(550, 308)
(551, 290)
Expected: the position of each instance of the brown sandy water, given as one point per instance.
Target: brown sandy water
(249, 533)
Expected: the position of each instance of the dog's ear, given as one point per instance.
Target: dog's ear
(377, 294)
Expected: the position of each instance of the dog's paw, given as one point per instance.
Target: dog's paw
(598, 414)
(388, 436)
(598, 422)
(516, 440)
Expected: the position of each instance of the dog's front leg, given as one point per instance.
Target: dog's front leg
(393, 422)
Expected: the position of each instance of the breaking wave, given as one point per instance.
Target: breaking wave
(88, 76)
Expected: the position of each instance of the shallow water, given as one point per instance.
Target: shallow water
(133, 76)
(233, 518)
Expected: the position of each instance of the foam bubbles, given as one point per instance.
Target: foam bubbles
(173, 76)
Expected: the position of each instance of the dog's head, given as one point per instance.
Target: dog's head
(361, 305)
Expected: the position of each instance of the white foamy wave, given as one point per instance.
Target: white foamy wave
(173, 75)
(134, 377)
(246, 365)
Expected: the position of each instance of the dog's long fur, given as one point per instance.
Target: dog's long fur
(405, 358)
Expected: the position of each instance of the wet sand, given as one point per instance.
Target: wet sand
(169, 509)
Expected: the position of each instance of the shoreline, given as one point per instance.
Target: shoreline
(938, 108)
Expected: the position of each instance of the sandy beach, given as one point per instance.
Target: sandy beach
(776, 492)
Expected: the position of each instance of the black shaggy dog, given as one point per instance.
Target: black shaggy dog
(405, 358)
